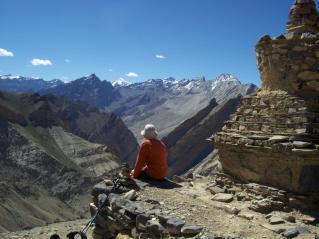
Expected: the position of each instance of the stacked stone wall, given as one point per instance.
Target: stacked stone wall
(290, 63)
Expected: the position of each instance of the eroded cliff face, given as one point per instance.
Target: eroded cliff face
(273, 138)
(187, 145)
(84, 121)
(45, 170)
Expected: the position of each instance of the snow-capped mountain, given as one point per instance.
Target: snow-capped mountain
(168, 102)
(120, 83)
(25, 84)
(186, 86)
(163, 102)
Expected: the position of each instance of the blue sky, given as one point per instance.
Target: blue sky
(121, 38)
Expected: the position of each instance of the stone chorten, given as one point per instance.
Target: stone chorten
(273, 138)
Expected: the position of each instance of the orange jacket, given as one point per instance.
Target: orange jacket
(152, 158)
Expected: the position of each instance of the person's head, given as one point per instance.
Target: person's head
(149, 132)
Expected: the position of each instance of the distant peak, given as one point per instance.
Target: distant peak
(91, 77)
(121, 82)
(227, 77)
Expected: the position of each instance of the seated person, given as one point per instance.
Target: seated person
(151, 161)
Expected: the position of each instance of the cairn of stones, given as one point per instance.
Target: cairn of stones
(124, 215)
(273, 137)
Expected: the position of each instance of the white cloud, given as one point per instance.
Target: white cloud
(67, 60)
(4, 52)
(158, 56)
(41, 62)
(132, 74)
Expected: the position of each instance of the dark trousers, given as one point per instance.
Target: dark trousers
(143, 176)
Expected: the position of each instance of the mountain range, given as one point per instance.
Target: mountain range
(26, 84)
(164, 102)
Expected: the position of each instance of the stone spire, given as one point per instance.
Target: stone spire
(303, 17)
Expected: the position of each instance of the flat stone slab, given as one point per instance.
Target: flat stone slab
(302, 145)
(216, 189)
(276, 220)
(278, 228)
(223, 197)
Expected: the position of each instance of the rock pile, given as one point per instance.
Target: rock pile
(262, 198)
(276, 205)
(124, 214)
(273, 138)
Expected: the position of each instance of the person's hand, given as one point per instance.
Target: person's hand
(132, 173)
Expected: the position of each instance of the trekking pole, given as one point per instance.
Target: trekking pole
(116, 185)
(82, 234)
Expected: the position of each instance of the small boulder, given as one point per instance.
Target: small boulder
(302, 144)
(130, 207)
(131, 195)
(156, 229)
(290, 218)
(141, 221)
(223, 197)
(216, 189)
(174, 226)
(266, 206)
(308, 219)
(246, 216)
(276, 220)
(163, 219)
(190, 231)
(290, 233)
(241, 196)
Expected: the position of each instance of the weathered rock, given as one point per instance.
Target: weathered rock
(302, 145)
(191, 230)
(163, 219)
(289, 218)
(156, 229)
(308, 219)
(174, 226)
(223, 197)
(278, 228)
(141, 221)
(291, 233)
(276, 220)
(241, 196)
(130, 207)
(247, 216)
(266, 206)
(131, 195)
(228, 208)
(108, 182)
(216, 189)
